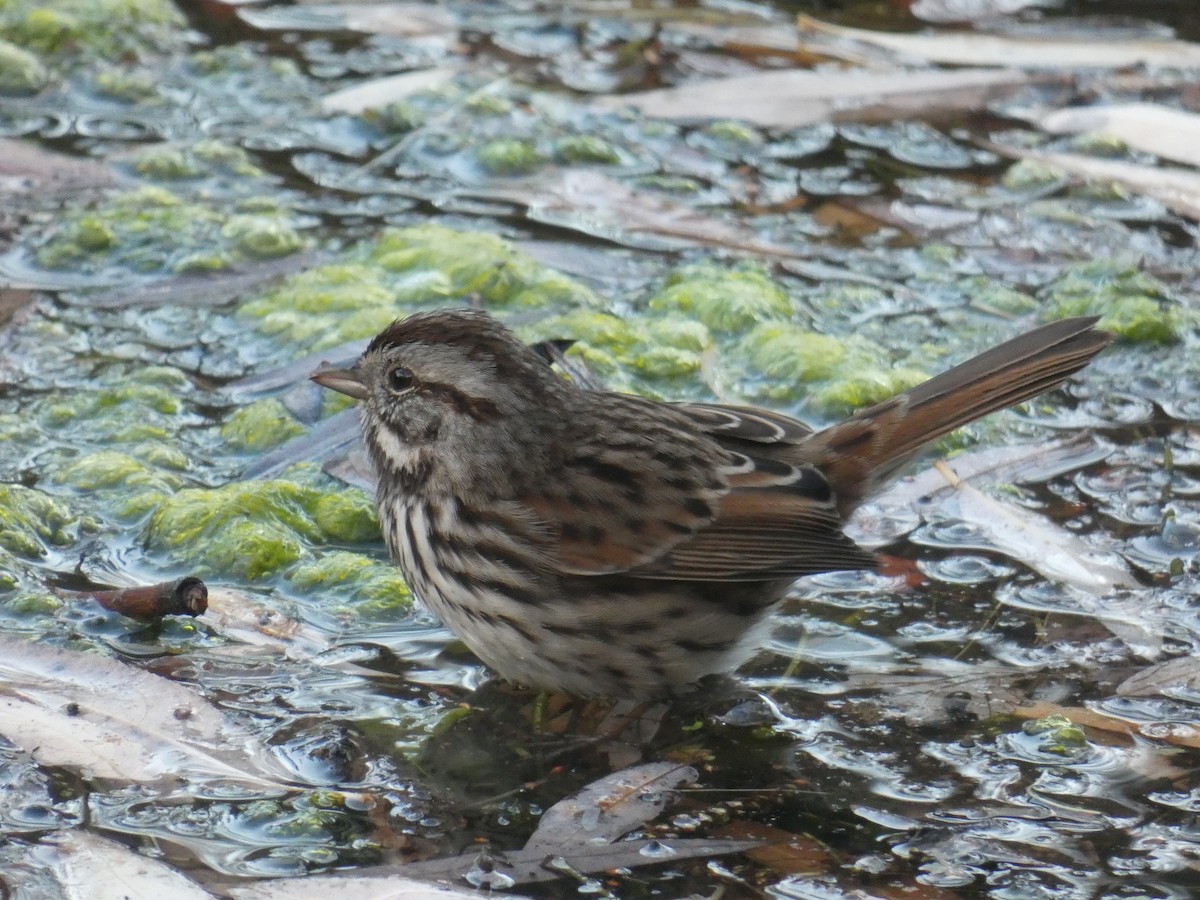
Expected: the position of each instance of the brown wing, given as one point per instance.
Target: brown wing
(672, 500)
(778, 520)
(745, 423)
(634, 486)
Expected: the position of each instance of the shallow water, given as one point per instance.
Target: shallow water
(958, 723)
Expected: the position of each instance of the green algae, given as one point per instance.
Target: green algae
(789, 355)
(257, 529)
(262, 237)
(1031, 175)
(470, 261)
(129, 85)
(1133, 304)
(509, 156)
(21, 72)
(650, 350)
(347, 517)
(731, 132)
(403, 270)
(377, 588)
(128, 486)
(41, 28)
(72, 34)
(834, 375)
(74, 29)
(855, 390)
(249, 530)
(1057, 735)
(112, 469)
(151, 229)
(724, 300)
(167, 162)
(585, 149)
(259, 426)
(124, 413)
(29, 607)
(32, 521)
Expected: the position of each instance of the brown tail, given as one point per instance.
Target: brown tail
(861, 453)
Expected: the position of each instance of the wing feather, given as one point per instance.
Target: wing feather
(699, 493)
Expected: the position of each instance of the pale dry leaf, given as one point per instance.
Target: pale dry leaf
(357, 887)
(529, 866)
(973, 10)
(794, 98)
(1035, 52)
(898, 510)
(414, 21)
(596, 204)
(237, 615)
(1170, 133)
(1178, 189)
(113, 721)
(1181, 673)
(379, 92)
(89, 867)
(609, 807)
(1048, 549)
(764, 38)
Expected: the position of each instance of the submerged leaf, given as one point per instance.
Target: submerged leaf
(114, 721)
(609, 807)
(1048, 549)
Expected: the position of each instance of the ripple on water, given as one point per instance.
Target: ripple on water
(964, 569)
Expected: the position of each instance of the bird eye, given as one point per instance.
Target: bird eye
(399, 379)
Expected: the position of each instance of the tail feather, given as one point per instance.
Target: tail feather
(869, 447)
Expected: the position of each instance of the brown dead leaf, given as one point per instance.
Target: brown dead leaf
(1177, 733)
(150, 602)
(11, 300)
(781, 851)
(26, 167)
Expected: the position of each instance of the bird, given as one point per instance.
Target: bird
(603, 544)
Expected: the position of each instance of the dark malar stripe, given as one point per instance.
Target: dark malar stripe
(478, 408)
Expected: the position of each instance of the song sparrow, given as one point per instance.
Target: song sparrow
(605, 544)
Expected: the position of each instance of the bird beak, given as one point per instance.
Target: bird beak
(344, 381)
